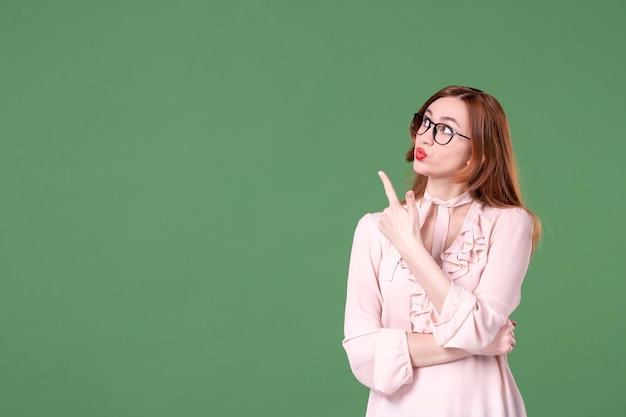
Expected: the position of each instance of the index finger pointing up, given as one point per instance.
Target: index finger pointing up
(389, 190)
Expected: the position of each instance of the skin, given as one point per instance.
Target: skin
(401, 225)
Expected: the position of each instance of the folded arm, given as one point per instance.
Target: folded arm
(425, 351)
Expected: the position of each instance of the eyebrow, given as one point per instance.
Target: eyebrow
(453, 120)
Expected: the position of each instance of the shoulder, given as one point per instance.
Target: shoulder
(504, 212)
(506, 218)
(367, 228)
(368, 223)
(369, 219)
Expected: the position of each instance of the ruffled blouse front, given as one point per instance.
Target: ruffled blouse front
(455, 261)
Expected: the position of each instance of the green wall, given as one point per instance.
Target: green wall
(180, 181)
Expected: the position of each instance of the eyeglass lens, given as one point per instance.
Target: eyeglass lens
(442, 134)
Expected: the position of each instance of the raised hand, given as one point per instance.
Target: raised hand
(504, 342)
(400, 224)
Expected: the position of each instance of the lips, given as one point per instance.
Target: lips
(420, 154)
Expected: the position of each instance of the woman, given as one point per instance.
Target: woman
(432, 281)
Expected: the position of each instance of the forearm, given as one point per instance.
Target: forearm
(435, 282)
(424, 351)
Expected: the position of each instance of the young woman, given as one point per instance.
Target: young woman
(432, 281)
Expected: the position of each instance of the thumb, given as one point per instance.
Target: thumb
(410, 203)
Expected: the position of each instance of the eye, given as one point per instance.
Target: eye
(447, 130)
(426, 122)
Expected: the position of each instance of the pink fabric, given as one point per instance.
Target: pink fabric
(486, 263)
(443, 219)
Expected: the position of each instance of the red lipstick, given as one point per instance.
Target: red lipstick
(420, 154)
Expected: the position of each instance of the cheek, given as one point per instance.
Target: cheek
(468, 155)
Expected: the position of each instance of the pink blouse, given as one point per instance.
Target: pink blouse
(486, 263)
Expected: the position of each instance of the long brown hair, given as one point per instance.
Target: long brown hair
(491, 174)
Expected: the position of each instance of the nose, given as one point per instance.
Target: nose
(427, 137)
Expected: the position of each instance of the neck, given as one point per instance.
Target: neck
(444, 190)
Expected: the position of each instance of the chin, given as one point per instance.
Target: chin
(419, 168)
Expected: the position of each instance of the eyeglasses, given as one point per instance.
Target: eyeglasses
(442, 133)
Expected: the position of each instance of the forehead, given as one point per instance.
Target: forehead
(448, 108)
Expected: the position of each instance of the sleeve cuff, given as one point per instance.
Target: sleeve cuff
(392, 365)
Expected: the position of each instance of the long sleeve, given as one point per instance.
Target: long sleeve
(470, 320)
(379, 357)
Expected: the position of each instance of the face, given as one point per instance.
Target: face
(443, 161)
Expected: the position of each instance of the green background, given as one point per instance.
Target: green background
(180, 182)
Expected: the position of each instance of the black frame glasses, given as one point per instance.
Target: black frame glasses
(420, 118)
